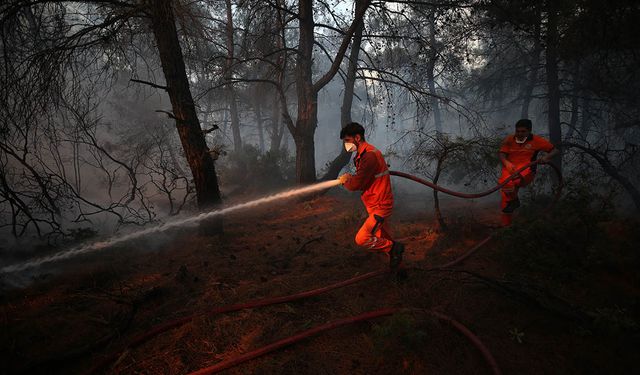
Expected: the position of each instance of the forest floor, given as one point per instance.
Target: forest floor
(532, 323)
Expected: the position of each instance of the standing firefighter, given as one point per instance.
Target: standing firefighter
(372, 178)
(516, 151)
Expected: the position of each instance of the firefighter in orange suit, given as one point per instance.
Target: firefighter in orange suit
(516, 151)
(372, 178)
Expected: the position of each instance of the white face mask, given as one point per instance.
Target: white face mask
(350, 147)
(523, 140)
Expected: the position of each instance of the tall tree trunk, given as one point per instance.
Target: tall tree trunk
(184, 110)
(285, 143)
(231, 94)
(277, 121)
(435, 107)
(431, 66)
(441, 226)
(303, 130)
(585, 121)
(534, 63)
(307, 119)
(573, 121)
(354, 54)
(277, 126)
(259, 123)
(553, 84)
(235, 120)
(419, 124)
(343, 157)
(575, 107)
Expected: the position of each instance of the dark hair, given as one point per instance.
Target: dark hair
(524, 123)
(351, 129)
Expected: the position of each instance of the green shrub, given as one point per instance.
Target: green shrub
(560, 242)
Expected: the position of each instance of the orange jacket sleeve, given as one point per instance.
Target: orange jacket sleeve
(365, 173)
(543, 144)
(504, 147)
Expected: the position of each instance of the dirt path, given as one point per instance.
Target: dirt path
(52, 326)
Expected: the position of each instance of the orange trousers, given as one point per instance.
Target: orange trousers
(374, 234)
(509, 191)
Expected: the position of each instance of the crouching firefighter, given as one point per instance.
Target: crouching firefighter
(518, 150)
(372, 178)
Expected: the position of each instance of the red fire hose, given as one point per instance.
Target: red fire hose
(146, 336)
(292, 339)
(220, 366)
(465, 255)
(155, 331)
(484, 193)
(488, 357)
(164, 327)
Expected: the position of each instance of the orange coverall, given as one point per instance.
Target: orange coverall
(519, 154)
(372, 178)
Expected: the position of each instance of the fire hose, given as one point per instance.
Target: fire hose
(164, 327)
(226, 364)
(513, 176)
(155, 331)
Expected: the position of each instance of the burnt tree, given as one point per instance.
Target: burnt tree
(534, 63)
(553, 82)
(231, 94)
(184, 110)
(303, 130)
(431, 66)
(343, 157)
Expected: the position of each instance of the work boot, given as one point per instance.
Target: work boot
(395, 255)
(511, 206)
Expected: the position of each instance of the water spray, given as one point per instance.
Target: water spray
(92, 247)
